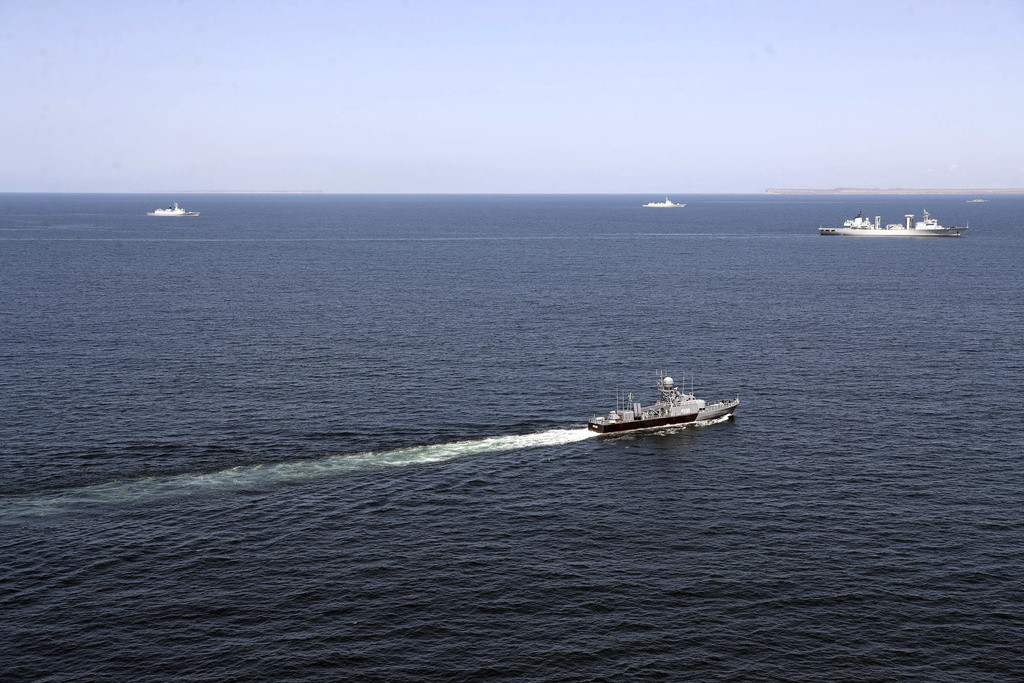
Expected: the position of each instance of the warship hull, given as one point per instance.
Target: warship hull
(612, 427)
(713, 412)
(913, 232)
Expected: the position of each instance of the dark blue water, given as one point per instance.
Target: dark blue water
(332, 437)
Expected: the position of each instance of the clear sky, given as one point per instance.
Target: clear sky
(479, 96)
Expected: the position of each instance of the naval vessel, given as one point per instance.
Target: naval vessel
(929, 227)
(173, 210)
(673, 407)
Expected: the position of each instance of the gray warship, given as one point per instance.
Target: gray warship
(673, 408)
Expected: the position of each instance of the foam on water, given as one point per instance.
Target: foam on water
(713, 421)
(263, 475)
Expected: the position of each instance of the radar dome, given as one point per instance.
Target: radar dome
(667, 382)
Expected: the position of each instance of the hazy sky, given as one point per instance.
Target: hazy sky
(546, 96)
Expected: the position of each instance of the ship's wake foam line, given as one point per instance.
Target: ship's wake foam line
(713, 421)
(257, 476)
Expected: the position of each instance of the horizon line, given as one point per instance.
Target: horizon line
(768, 191)
(326, 193)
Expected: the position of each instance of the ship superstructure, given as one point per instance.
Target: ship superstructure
(673, 407)
(667, 204)
(927, 227)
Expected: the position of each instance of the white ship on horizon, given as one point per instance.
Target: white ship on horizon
(173, 210)
(668, 203)
(929, 227)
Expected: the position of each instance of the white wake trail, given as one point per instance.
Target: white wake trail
(255, 476)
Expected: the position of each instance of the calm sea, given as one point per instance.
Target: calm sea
(329, 437)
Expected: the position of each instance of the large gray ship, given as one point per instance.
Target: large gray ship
(859, 226)
(673, 408)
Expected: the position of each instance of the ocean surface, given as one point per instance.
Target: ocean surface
(337, 437)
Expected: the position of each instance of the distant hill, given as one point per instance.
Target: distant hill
(893, 190)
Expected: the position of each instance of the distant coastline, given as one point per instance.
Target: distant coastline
(893, 190)
(232, 192)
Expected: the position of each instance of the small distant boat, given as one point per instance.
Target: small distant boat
(173, 210)
(668, 203)
(977, 201)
